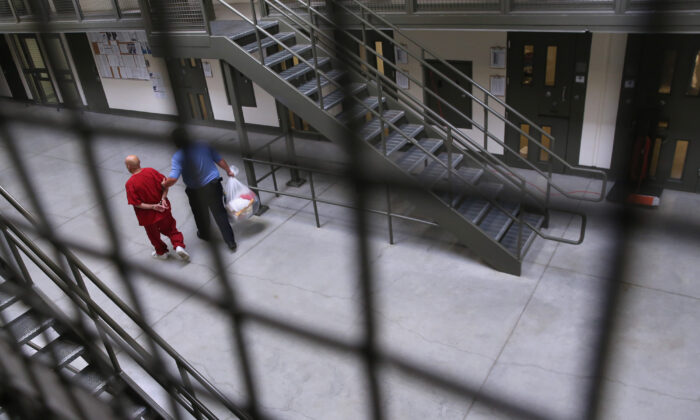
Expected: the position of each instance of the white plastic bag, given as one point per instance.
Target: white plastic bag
(240, 202)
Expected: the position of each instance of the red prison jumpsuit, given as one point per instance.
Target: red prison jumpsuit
(145, 187)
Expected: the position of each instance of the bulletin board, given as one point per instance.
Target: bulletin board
(120, 55)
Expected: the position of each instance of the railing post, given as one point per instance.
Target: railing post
(486, 120)
(78, 10)
(12, 9)
(81, 285)
(188, 387)
(319, 93)
(249, 167)
(364, 66)
(448, 145)
(257, 33)
(506, 6)
(545, 224)
(313, 198)
(284, 115)
(410, 6)
(13, 257)
(519, 246)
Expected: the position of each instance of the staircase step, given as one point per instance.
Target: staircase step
(60, 350)
(510, 239)
(434, 172)
(7, 298)
(471, 175)
(473, 209)
(490, 190)
(497, 222)
(28, 326)
(309, 88)
(373, 128)
(337, 96)
(357, 110)
(302, 68)
(395, 141)
(268, 41)
(91, 379)
(284, 55)
(246, 30)
(415, 156)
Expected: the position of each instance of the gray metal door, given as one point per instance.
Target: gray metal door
(661, 100)
(547, 75)
(190, 85)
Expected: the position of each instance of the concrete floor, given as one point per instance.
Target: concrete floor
(528, 339)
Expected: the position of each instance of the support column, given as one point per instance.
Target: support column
(284, 114)
(249, 167)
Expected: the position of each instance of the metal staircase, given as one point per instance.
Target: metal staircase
(54, 365)
(469, 191)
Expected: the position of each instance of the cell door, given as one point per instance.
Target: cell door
(60, 65)
(36, 71)
(547, 84)
(661, 93)
(457, 105)
(190, 86)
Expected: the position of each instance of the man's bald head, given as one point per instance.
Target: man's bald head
(133, 164)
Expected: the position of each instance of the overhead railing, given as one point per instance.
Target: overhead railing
(68, 10)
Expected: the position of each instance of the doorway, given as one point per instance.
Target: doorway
(36, 70)
(9, 70)
(190, 86)
(60, 65)
(90, 80)
(547, 77)
(454, 97)
(660, 100)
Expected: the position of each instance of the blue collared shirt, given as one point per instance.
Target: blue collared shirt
(197, 164)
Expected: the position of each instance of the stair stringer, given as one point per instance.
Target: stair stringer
(468, 234)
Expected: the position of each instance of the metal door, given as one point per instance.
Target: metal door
(547, 75)
(661, 100)
(190, 85)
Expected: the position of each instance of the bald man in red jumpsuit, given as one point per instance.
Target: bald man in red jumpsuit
(145, 192)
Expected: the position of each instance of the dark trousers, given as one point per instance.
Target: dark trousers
(202, 201)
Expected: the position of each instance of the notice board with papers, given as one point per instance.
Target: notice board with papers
(120, 55)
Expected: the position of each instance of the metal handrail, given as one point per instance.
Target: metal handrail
(390, 124)
(104, 317)
(450, 127)
(486, 92)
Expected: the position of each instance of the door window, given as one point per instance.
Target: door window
(550, 71)
(656, 152)
(667, 71)
(546, 142)
(528, 64)
(694, 85)
(679, 159)
(524, 143)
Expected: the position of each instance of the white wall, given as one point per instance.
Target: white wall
(602, 97)
(474, 46)
(138, 95)
(264, 114)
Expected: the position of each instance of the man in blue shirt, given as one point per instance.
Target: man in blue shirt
(197, 165)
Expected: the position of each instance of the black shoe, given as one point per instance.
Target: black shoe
(232, 246)
(199, 235)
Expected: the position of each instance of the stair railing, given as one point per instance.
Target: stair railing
(485, 104)
(389, 124)
(180, 388)
(447, 133)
